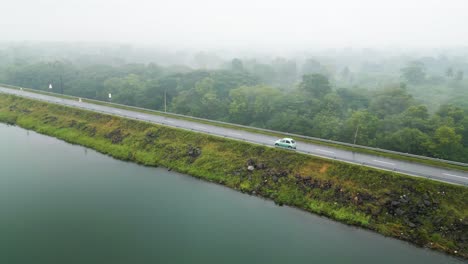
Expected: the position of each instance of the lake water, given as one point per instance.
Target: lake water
(62, 203)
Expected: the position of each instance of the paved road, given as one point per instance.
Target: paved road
(409, 168)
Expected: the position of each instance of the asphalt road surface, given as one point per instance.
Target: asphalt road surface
(405, 167)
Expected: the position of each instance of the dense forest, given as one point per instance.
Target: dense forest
(410, 103)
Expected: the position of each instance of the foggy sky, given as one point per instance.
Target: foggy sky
(255, 24)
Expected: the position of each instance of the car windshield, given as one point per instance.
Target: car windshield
(293, 141)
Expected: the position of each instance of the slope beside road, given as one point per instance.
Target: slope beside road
(405, 167)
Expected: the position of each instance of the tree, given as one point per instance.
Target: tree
(316, 84)
(290, 121)
(301, 102)
(236, 65)
(409, 140)
(361, 128)
(390, 101)
(89, 81)
(464, 132)
(157, 95)
(184, 81)
(449, 72)
(201, 101)
(36, 76)
(327, 126)
(417, 111)
(265, 73)
(416, 116)
(446, 143)
(354, 99)
(311, 66)
(414, 72)
(127, 90)
(332, 104)
(152, 71)
(345, 73)
(226, 80)
(455, 113)
(286, 72)
(253, 104)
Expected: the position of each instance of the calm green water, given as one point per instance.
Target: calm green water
(65, 204)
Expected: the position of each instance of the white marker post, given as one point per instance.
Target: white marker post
(110, 96)
(50, 86)
(79, 100)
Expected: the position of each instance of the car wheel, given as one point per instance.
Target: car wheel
(276, 144)
(290, 147)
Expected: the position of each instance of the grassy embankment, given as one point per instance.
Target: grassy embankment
(431, 162)
(427, 213)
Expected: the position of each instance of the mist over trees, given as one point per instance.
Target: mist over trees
(415, 103)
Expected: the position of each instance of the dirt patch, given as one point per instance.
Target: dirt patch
(315, 169)
(324, 168)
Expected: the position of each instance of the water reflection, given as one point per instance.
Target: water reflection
(70, 205)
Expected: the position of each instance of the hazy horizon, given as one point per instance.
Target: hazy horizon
(249, 25)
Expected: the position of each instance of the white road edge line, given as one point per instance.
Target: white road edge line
(384, 162)
(169, 121)
(235, 134)
(326, 151)
(451, 175)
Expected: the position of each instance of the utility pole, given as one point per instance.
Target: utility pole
(165, 107)
(57, 66)
(61, 83)
(355, 134)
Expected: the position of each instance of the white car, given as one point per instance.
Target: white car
(286, 143)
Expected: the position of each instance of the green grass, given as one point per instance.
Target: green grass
(427, 213)
(430, 162)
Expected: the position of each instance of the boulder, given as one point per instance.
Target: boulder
(151, 135)
(464, 222)
(251, 162)
(116, 136)
(399, 211)
(193, 152)
(410, 224)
